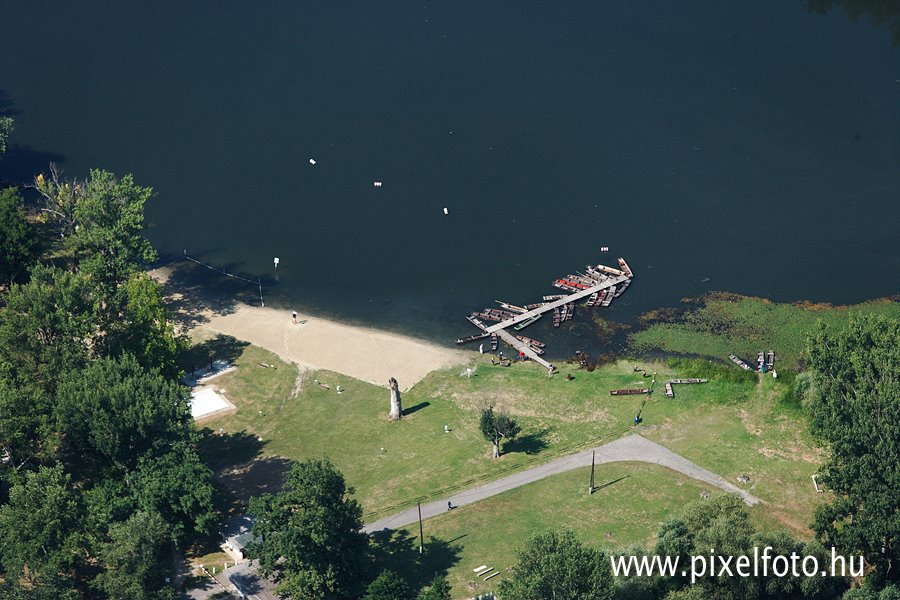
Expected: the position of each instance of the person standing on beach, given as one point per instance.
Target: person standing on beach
(294, 317)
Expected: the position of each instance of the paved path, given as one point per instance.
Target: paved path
(631, 448)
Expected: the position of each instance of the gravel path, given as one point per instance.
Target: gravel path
(631, 448)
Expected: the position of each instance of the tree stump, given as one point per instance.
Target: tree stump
(396, 408)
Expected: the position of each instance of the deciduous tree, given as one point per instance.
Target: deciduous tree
(118, 412)
(557, 565)
(17, 237)
(133, 559)
(46, 327)
(497, 426)
(438, 590)
(856, 410)
(387, 586)
(39, 526)
(309, 533)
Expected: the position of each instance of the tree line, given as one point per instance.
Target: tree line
(100, 476)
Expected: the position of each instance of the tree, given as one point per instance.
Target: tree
(387, 586)
(309, 533)
(46, 327)
(132, 559)
(144, 328)
(497, 426)
(438, 590)
(118, 412)
(108, 241)
(557, 565)
(100, 221)
(39, 526)
(26, 424)
(6, 128)
(17, 238)
(177, 485)
(856, 410)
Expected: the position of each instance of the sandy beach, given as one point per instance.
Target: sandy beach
(316, 343)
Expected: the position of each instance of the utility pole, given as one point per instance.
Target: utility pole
(591, 489)
(421, 534)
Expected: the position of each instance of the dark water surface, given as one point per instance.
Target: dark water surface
(751, 143)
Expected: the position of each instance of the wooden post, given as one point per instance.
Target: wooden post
(421, 533)
(591, 489)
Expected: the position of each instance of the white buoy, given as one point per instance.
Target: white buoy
(312, 161)
(446, 212)
(377, 183)
(277, 260)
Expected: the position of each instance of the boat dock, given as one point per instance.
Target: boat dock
(568, 298)
(524, 348)
(599, 285)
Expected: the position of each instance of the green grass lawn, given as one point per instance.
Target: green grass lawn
(638, 499)
(732, 425)
(724, 324)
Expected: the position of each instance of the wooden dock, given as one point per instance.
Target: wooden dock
(524, 348)
(568, 298)
(599, 285)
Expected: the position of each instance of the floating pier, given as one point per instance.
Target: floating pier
(600, 284)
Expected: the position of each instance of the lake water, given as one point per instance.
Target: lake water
(744, 146)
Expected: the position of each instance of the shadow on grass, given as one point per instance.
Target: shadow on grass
(239, 469)
(530, 443)
(416, 408)
(222, 347)
(399, 552)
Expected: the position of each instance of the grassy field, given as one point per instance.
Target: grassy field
(297, 418)
(638, 498)
(723, 324)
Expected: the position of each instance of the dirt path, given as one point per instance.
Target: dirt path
(631, 448)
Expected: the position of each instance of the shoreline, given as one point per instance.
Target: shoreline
(364, 353)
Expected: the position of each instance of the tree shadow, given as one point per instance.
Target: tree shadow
(399, 552)
(194, 291)
(220, 348)
(19, 164)
(416, 408)
(239, 469)
(530, 443)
